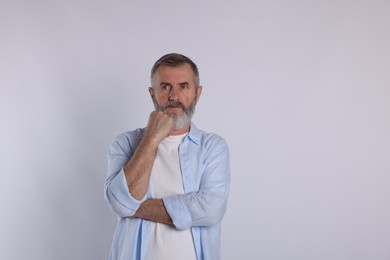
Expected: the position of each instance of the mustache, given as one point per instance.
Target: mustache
(174, 104)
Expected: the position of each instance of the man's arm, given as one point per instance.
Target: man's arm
(154, 210)
(138, 168)
(125, 189)
(201, 208)
(207, 205)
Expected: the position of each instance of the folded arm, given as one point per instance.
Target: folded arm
(206, 206)
(200, 208)
(154, 210)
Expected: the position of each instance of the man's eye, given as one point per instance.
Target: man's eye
(166, 87)
(184, 86)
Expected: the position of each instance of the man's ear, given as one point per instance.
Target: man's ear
(198, 93)
(151, 92)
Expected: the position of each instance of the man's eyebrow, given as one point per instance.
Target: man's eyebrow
(181, 83)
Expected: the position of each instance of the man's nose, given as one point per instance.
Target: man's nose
(173, 94)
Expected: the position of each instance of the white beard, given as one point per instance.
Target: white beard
(180, 121)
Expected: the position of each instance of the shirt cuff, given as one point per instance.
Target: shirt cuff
(178, 211)
(119, 190)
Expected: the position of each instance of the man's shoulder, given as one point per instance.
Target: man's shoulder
(131, 137)
(138, 132)
(202, 136)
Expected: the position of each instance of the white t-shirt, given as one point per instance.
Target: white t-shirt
(166, 242)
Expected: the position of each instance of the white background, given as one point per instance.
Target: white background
(300, 90)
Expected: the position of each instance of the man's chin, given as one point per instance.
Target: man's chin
(180, 121)
(173, 113)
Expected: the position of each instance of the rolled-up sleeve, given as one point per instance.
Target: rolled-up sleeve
(206, 205)
(116, 191)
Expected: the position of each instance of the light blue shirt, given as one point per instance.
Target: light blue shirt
(204, 162)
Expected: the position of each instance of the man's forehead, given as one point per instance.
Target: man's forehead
(177, 73)
(185, 67)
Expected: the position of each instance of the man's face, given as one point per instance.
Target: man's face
(174, 92)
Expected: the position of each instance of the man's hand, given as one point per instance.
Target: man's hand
(159, 126)
(154, 210)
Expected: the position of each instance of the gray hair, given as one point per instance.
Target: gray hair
(175, 60)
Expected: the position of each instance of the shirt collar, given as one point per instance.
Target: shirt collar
(195, 134)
